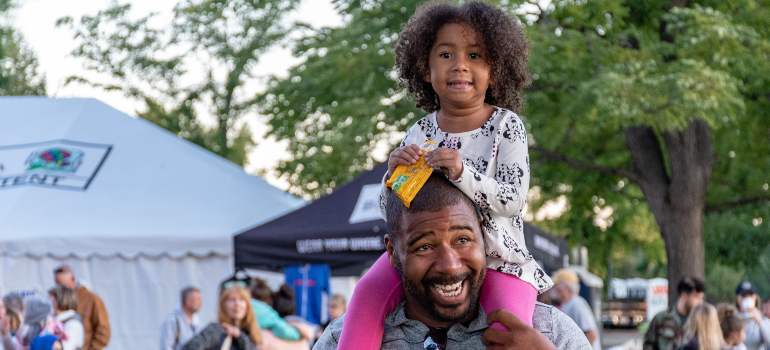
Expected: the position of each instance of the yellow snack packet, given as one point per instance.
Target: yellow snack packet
(407, 180)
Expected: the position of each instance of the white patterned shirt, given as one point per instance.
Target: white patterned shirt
(496, 177)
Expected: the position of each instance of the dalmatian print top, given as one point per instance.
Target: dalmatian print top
(496, 176)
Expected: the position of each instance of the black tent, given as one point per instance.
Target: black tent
(322, 233)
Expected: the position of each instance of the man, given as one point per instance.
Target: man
(90, 307)
(665, 332)
(182, 324)
(566, 286)
(437, 247)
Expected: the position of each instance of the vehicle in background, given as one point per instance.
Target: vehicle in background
(634, 301)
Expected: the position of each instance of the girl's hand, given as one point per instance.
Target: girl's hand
(448, 160)
(407, 155)
(231, 330)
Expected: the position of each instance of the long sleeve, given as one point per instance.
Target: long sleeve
(764, 331)
(75, 335)
(505, 193)
(100, 323)
(168, 333)
(207, 339)
(268, 318)
(9, 343)
(244, 342)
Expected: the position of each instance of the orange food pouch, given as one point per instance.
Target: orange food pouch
(407, 180)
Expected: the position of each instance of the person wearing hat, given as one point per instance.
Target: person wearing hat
(566, 286)
(757, 326)
(90, 307)
(35, 317)
(665, 330)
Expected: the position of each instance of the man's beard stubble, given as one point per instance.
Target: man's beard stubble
(422, 293)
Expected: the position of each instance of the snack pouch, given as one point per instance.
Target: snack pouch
(407, 180)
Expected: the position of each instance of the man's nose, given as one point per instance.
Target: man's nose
(448, 261)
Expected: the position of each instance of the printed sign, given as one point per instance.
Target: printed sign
(53, 164)
(329, 245)
(657, 296)
(368, 205)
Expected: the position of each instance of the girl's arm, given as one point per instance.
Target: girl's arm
(506, 193)
(413, 136)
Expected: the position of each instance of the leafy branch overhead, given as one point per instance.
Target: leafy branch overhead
(196, 67)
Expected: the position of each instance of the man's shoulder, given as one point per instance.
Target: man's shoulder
(559, 328)
(331, 335)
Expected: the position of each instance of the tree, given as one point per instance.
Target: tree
(19, 75)
(645, 115)
(221, 38)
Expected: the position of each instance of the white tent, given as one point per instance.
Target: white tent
(137, 212)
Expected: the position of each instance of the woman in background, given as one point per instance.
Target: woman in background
(702, 331)
(237, 328)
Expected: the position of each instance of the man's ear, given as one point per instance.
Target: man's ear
(391, 249)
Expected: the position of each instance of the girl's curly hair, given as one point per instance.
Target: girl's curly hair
(504, 43)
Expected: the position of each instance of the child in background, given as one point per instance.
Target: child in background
(466, 65)
(46, 342)
(733, 328)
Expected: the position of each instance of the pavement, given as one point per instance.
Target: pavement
(614, 337)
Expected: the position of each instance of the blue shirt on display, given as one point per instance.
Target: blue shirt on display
(309, 281)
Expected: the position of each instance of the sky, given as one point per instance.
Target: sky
(36, 20)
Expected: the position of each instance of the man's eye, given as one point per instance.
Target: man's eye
(463, 240)
(445, 55)
(423, 247)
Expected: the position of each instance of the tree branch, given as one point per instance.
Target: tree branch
(555, 156)
(729, 205)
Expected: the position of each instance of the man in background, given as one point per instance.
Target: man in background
(665, 332)
(566, 286)
(182, 324)
(90, 306)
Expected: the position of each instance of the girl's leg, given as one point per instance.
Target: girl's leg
(504, 291)
(376, 295)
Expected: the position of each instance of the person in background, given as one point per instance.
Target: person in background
(702, 331)
(65, 302)
(14, 302)
(8, 341)
(35, 317)
(733, 328)
(183, 323)
(757, 326)
(90, 307)
(766, 308)
(337, 306)
(665, 330)
(285, 305)
(46, 342)
(236, 329)
(566, 286)
(268, 318)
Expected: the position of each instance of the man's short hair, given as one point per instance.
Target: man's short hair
(436, 194)
(66, 298)
(690, 284)
(187, 292)
(63, 268)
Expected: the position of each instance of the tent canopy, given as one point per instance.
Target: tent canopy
(79, 178)
(345, 230)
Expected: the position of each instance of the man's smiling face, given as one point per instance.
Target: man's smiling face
(440, 258)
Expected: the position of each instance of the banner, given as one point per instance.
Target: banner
(59, 164)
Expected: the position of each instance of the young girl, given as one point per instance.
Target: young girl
(733, 328)
(466, 65)
(702, 331)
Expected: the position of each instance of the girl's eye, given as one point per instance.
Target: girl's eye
(474, 55)
(445, 55)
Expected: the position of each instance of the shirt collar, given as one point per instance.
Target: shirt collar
(415, 331)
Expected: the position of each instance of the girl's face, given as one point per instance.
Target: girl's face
(736, 338)
(336, 310)
(458, 71)
(235, 307)
(56, 345)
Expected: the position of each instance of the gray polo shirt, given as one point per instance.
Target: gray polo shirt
(403, 333)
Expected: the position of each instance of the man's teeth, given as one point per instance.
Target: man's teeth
(448, 290)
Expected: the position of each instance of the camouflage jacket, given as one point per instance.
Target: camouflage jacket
(665, 332)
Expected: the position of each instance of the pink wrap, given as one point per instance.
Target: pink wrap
(379, 292)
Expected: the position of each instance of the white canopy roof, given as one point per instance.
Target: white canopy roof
(79, 178)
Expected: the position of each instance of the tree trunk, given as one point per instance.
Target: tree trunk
(676, 200)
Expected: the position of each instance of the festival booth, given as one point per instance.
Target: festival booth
(137, 212)
(345, 230)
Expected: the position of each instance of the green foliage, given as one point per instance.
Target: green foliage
(222, 38)
(19, 75)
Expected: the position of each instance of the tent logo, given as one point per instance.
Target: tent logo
(61, 164)
(56, 159)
